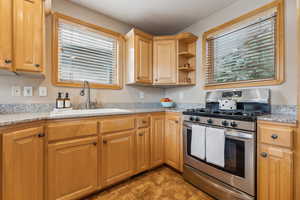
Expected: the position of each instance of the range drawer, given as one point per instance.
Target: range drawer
(116, 124)
(143, 121)
(70, 130)
(276, 135)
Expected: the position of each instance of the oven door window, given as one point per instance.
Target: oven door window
(234, 155)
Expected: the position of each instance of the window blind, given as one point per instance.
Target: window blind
(86, 55)
(245, 53)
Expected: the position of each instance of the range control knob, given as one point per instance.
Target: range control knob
(233, 124)
(197, 119)
(210, 121)
(225, 123)
(192, 118)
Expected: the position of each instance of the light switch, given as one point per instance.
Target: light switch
(28, 91)
(42, 91)
(16, 91)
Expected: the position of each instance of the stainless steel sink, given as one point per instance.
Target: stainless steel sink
(100, 111)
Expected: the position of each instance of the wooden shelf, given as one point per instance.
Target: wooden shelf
(186, 54)
(186, 69)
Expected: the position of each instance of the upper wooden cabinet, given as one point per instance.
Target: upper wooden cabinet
(23, 22)
(6, 10)
(165, 67)
(139, 57)
(72, 168)
(23, 165)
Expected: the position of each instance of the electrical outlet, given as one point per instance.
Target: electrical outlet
(141, 95)
(16, 91)
(27, 91)
(42, 91)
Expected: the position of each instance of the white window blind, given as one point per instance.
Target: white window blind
(86, 55)
(244, 53)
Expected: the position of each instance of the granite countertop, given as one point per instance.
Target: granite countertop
(281, 118)
(16, 118)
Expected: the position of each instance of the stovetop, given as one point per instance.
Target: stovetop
(225, 114)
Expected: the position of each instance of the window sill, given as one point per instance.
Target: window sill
(92, 85)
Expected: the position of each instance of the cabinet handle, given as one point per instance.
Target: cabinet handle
(176, 121)
(7, 61)
(37, 65)
(104, 142)
(138, 78)
(144, 122)
(264, 154)
(156, 80)
(95, 143)
(274, 136)
(41, 135)
(141, 134)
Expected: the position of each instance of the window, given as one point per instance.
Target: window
(247, 51)
(85, 52)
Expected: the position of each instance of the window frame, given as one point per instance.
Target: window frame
(280, 49)
(55, 50)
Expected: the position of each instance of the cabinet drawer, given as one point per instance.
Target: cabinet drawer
(143, 121)
(117, 124)
(276, 135)
(69, 130)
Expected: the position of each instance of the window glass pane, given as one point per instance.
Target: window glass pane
(86, 55)
(246, 53)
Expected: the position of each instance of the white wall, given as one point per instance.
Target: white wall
(282, 94)
(128, 94)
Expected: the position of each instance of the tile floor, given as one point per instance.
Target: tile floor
(159, 184)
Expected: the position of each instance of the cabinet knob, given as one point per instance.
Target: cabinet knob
(274, 136)
(141, 134)
(95, 143)
(144, 121)
(138, 78)
(7, 61)
(41, 135)
(37, 65)
(156, 80)
(176, 121)
(104, 142)
(264, 154)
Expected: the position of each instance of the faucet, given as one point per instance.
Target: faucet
(86, 85)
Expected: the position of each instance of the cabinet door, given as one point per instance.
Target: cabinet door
(143, 59)
(172, 141)
(23, 165)
(165, 70)
(6, 34)
(72, 168)
(117, 157)
(157, 139)
(28, 37)
(275, 173)
(143, 149)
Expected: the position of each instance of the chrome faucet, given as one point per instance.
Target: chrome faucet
(86, 85)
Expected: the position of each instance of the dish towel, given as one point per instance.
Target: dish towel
(198, 141)
(215, 146)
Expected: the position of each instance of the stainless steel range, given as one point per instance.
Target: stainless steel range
(235, 177)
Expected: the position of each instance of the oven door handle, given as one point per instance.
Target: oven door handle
(239, 136)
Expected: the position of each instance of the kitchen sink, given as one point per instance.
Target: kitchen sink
(82, 112)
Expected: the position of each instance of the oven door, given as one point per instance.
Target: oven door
(239, 170)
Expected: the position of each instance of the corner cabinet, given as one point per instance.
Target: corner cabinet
(139, 57)
(22, 42)
(275, 161)
(23, 164)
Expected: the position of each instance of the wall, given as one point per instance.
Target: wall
(285, 94)
(129, 94)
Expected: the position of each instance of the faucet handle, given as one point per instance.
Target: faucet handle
(82, 93)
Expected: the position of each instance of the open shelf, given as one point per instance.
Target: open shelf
(186, 69)
(186, 54)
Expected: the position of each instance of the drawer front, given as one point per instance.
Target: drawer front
(69, 130)
(117, 124)
(276, 135)
(143, 122)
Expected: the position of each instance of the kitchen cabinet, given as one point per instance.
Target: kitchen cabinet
(23, 164)
(142, 150)
(275, 161)
(6, 34)
(72, 168)
(164, 61)
(157, 139)
(118, 153)
(29, 34)
(173, 140)
(139, 48)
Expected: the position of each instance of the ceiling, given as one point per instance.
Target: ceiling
(158, 17)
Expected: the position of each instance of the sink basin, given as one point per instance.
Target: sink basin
(100, 111)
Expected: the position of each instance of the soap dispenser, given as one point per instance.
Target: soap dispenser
(67, 101)
(59, 101)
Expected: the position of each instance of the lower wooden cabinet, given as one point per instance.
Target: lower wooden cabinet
(173, 141)
(117, 157)
(157, 139)
(142, 150)
(23, 165)
(72, 168)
